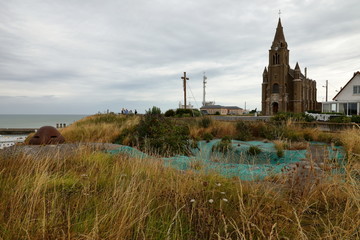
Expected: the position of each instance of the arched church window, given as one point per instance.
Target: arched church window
(275, 88)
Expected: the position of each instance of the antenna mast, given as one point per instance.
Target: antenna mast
(204, 83)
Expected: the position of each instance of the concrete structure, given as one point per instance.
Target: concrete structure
(223, 110)
(285, 89)
(347, 101)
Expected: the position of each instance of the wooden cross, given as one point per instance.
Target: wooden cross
(184, 78)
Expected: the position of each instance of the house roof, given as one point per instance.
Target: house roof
(220, 107)
(355, 73)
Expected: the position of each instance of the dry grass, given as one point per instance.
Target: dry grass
(351, 140)
(93, 195)
(217, 128)
(99, 128)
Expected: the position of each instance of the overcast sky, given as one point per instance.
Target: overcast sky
(85, 56)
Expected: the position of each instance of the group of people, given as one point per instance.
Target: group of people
(126, 111)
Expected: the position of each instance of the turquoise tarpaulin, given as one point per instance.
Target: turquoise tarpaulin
(237, 162)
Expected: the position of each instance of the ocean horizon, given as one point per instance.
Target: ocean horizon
(38, 120)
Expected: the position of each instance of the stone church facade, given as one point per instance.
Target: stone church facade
(285, 89)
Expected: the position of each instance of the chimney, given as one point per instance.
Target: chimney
(306, 73)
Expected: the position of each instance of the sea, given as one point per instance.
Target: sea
(32, 121)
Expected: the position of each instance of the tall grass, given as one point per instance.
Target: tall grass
(94, 195)
(99, 128)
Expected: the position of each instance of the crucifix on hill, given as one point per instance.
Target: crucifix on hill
(184, 78)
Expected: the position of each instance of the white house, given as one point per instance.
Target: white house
(347, 101)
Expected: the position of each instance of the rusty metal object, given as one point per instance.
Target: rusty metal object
(47, 135)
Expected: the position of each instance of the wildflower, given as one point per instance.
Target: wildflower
(223, 193)
(211, 200)
(225, 200)
(218, 184)
(84, 175)
(192, 200)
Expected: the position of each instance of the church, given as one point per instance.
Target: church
(285, 89)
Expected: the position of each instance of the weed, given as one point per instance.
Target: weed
(254, 150)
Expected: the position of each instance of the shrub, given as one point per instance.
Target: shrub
(158, 134)
(205, 122)
(243, 131)
(355, 118)
(217, 113)
(181, 111)
(340, 119)
(208, 137)
(254, 150)
(153, 111)
(169, 113)
(224, 145)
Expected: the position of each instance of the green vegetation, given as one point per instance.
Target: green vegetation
(95, 195)
(157, 134)
(254, 150)
(169, 113)
(224, 145)
(288, 116)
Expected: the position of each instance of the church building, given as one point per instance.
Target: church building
(285, 89)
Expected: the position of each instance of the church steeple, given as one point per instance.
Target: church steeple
(279, 39)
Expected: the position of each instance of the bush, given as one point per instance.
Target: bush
(181, 112)
(205, 122)
(285, 116)
(217, 113)
(208, 137)
(153, 111)
(254, 150)
(355, 118)
(243, 131)
(224, 145)
(170, 113)
(157, 134)
(340, 119)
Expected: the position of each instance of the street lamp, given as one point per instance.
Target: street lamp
(326, 86)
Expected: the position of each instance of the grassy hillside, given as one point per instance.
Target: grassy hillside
(94, 195)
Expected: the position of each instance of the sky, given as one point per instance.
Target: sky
(88, 56)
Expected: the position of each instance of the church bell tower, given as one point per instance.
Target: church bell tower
(275, 80)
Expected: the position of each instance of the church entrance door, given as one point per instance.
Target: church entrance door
(275, 108)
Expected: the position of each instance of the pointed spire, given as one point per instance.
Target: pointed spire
(265, 71)
(279, 36)
(297, 66)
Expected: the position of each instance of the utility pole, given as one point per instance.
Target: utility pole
(184, 78)
(326, 87)
(204, 82)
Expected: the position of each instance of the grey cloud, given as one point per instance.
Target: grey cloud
(103, 54)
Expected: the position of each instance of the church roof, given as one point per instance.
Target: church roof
(292, 74)
(279, 35)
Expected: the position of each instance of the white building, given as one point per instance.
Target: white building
(347, 101)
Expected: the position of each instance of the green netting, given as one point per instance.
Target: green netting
(237, 162)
